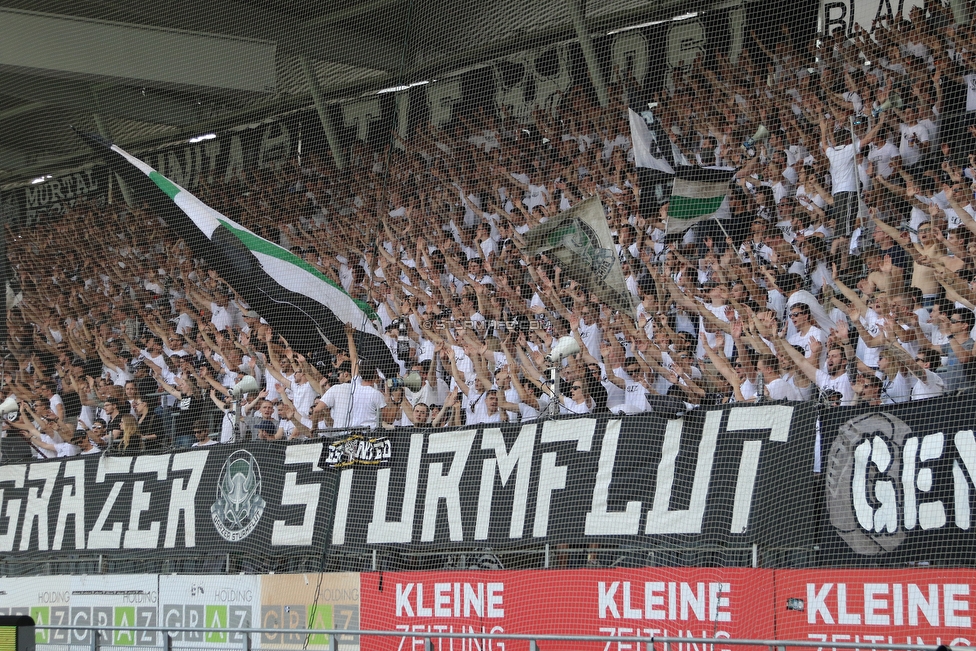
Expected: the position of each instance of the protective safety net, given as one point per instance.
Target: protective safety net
(578, 318)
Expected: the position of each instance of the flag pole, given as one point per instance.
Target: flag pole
(719, 222)
(857, 179)
(667, 219)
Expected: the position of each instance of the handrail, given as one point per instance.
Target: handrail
(771, 644)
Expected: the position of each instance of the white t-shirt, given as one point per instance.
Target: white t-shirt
(814, 333)
(303, 397)
(872, 323)
(728, 345)
(354, 405)
(931, 387)
(220, 317)
(970, 92)
(590, 334)
(842, 169)
(911, 138)
(783, 389)
(896, 389)
(881, 157)
(841, 384)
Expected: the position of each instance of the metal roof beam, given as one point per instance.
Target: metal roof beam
(78, 46)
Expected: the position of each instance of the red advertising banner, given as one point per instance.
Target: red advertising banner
(624, 603)
(925, 607)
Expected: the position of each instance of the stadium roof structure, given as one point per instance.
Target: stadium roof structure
(150, 74)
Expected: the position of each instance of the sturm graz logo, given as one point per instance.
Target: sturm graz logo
(239, 504)
(864, 482)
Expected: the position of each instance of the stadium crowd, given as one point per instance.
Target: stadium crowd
(845, 272)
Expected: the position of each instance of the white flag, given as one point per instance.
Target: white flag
(640, 135)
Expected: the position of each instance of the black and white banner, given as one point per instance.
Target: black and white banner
(266, 498)
(900, 483)
(866, 14)
(725, 476)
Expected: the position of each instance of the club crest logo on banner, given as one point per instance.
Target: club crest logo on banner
(239, 504)
(900, 482)
(862, 442)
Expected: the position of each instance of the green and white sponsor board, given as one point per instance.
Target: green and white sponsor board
(45, 598)
(193, 602)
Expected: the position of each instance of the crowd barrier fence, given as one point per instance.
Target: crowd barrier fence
(652, 643)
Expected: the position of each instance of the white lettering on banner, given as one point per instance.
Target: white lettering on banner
(235, 160)
(529, 80)
(599, 520)
(776, 419)
(636, 631)
(37, 505)
(381, 530)
(446, 487)
(99, 538)
(620, 600)
(304, 494)
(181, 499)
(132, 492)
(519, 460)
(361, 114)
(188, 165)
(135, 537)
(551, 476)
(881, 481)
(834, 641)
(885, 604)
(662, 519)
(72, 504)
(686, 40)
(485, 600)
(343, 495)
(275, 145)
(966, 448)
(57, 195)
(629, 54)
(845, 14)
(463, 644)
(16, 474)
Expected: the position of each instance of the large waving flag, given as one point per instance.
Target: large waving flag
(300, 303)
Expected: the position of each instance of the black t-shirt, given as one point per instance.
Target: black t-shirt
(147, 386)
(151, 425)
(115, 424)
(189, 409)
(72, 404)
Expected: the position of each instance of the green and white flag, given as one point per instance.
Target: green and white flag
(580, 240)
(301, 304)
(698, 194)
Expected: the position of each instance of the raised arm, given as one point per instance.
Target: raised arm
(801, 362)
